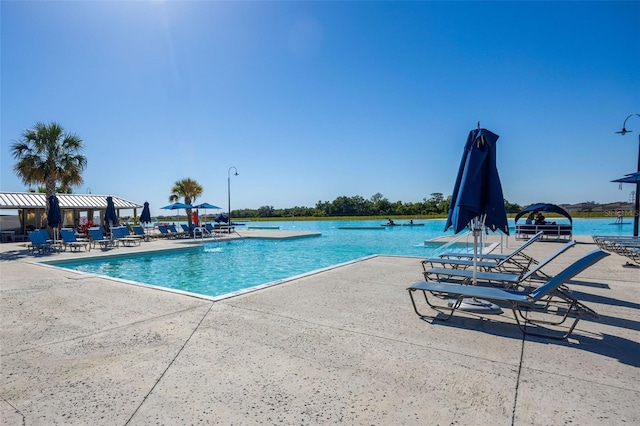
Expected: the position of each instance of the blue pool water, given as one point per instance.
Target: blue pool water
(224, 267)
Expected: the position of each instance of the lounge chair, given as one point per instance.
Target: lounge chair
(70, 241)
(518, 258)
(40, 241)
(122, 235)
(509, 262)
(507, 279)
(211, 229)
(97, 237)
(623, 245)
(138, 232)
(164, 232)
(183, 234)
(522, 303)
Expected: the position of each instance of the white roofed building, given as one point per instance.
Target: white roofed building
(76, 209)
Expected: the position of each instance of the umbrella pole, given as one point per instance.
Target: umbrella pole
(476, 231)
(472, 304)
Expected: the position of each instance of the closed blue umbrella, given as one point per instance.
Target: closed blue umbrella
(478, 191)
(145, 216)
(54, 217)
(222, 218)
(477, 200)
(110, 215)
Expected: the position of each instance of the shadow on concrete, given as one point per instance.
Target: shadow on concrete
(15, 255)
(615, 347)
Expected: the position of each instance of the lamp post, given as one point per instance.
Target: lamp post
(636, 211)
(229, 195)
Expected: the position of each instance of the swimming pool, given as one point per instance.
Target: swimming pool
(219, 268)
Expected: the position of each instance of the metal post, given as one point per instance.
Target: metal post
(636, 211)
(229, 195)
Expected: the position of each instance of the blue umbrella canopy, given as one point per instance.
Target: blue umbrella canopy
(206, 206)
(145, 216)
(478, 192)
(542, 207)
(110, 215)
(54, 217)
(176, 206)
(630, 178)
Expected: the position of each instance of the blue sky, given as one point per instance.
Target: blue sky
(314, 100)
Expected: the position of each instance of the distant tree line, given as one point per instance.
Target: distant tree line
(357, 205)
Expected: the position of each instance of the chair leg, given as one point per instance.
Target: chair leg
(437, 308)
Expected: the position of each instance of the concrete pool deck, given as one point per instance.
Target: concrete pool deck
(340, 346)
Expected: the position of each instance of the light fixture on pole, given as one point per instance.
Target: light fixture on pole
(636, 210)
(229, 195)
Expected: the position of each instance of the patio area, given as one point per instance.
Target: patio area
(340, 346)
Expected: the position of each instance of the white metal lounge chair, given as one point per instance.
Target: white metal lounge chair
(521, 302)
(493, 263)
(508, 279)
(499, 256)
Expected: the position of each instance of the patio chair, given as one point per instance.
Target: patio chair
(212, 230)
(70, 241)
(122, 235)
(183, 234)
(138, 232)
(39, 241)
(509, 262)
(520, 256)
(164, 232)
(506, 279)
(97, 237)
(523, 303)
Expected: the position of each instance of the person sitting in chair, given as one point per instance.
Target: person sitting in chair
(531, 218)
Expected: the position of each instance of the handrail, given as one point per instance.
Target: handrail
(453, 241)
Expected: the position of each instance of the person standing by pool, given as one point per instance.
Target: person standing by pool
(619, 214)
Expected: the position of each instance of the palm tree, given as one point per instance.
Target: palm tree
(190, 190)
(47, 155)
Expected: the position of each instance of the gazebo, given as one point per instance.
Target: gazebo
(32, 213)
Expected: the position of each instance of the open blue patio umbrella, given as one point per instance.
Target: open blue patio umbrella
(630, 178)
(205, 206)
(54, 217)
(177, 206)
(110, 215)
(477, 201)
